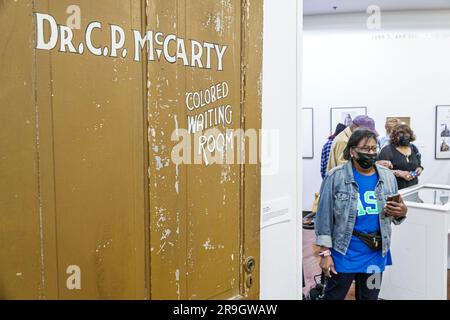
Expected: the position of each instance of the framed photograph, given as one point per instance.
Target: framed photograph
(403, 120)
(345, 116)
(308, 133)
(442, 147)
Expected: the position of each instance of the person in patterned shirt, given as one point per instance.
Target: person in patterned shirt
(327, 147)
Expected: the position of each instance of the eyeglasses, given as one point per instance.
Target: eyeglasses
(367, 149)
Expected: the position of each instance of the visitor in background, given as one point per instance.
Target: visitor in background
(389, 125)
(327, 147)
(336, 157)
(353, 222)
(404, 156)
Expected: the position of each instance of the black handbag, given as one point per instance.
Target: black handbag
(372, 240)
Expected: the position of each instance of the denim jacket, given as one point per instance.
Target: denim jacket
(337, 209)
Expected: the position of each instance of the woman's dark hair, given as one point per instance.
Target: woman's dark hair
(339, 128)
(358, 135)
(401, 128)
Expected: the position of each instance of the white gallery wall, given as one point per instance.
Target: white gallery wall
(403, 69)
(281, 183)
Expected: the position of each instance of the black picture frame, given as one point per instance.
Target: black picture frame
(352, 110)
(442, 134)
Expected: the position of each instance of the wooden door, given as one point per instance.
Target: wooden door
(92, 205)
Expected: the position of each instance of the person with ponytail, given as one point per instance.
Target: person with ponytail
(325, 155)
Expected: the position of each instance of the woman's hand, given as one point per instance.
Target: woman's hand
(396, 209)
(405, 175)
(419, 171)
(327, 265)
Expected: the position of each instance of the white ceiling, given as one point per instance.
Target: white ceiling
(315, 7)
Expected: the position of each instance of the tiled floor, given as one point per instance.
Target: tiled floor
(311, 265)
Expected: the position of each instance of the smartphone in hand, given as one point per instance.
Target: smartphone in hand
(394, 198)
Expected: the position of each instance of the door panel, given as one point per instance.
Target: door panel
(198, 210)
(72, 159)
(20, 223)
(214, 203)
(98, 154)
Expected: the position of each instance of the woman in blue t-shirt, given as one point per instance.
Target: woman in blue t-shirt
(353, 223)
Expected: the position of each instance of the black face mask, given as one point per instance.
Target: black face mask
(366, 160)
(404, 142)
